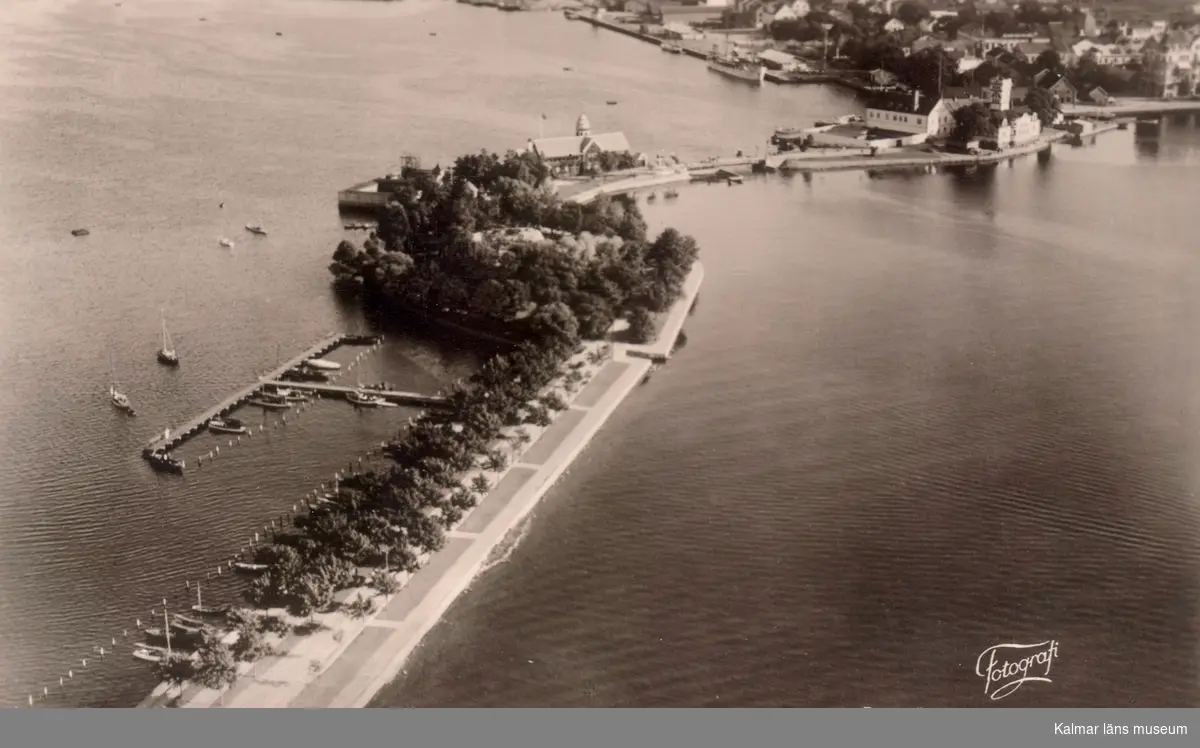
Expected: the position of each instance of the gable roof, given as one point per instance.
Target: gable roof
(903, 103)
(574, 145)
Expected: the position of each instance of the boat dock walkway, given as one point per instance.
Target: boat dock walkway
(164, 442)
(408, 398)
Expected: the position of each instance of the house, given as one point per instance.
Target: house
(914, 116)
(1057, 84)
(1111, 55)
(1171, 65)
(1099, 96)
(881, 77)
(894, 26)
(801, 8)
(573, 154)
(1015, 125)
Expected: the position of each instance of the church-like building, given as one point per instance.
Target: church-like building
(574, 153)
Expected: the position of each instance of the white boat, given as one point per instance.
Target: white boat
(733, 67)
(227, 426)
(254, 228)
(292, 396)
(248, 567)
(208, 610)
(270, 401)
(364, 399)
(673, 49)
(167, 354)
(146, 655)
(119, 400)
(226, 243)
(323, 363)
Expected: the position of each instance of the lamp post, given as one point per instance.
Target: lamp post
(825, 27)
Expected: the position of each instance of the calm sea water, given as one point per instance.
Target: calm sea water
(917, 415)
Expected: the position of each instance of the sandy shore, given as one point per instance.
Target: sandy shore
(346, 662)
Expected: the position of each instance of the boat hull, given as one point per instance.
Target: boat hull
(270, 405)
(754, 75)
(168, 359)
(227, 429)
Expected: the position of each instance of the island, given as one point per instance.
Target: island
(580, 302)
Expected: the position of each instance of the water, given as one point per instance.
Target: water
(916, 416)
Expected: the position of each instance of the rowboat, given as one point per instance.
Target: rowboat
(249, 568)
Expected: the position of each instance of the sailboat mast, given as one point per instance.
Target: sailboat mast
(199, 602)
(167, 629)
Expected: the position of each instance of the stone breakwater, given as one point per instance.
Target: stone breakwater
(346, 662)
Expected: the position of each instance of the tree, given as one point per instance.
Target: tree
(394, 226)
(971, 122)
(215, 666)
(250, 645)
(176, 669)
(384, 582)
(315, 595)
(1044, 104)
(912, 13)
(360, 607)
(1048, 60)
(555, 320)
(641, 325)
(480, 485)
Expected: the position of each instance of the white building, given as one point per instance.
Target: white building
(1015, 126)
(915, 115)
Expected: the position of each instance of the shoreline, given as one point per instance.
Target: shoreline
(347, 662)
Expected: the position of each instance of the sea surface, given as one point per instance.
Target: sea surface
(916, 415)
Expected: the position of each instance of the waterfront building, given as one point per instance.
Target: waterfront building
(1170, 65)
(572, 154)
(914, 117)
(1057, 84)
(1112, 55)
(1015, 125)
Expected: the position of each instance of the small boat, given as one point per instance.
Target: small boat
(254, 228)
(673, 49)
(362, 399)
(151, 648)
(120, 401)
(293, 396)
(167, 354)
(271, 401)
(651, 197)
(734, 179)
(147, 655)
(227, 426)
(568, 69)
(304, 375)
(278, 33)
(164, 462)
(188, 622)
(80, 232)
(671, 194)
(226, 243)
(209, 610)
(611, 103)
(321, 363)
(249, 568)
(433, 33)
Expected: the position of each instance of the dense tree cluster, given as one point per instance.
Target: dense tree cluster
(971, 122)
(447, 248)
(607, 161)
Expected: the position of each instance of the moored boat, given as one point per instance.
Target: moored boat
(148, 655)
(254, 228)
(270, 401)
(249, 568)
(293, 396)
(732, 67)
(673, 49)
(120, 401)
(363, 399)
(227, 426)
(163, 462)
(80, 232)
(227, 243)
(322, 363)
(671, 194)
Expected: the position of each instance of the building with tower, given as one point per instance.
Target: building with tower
(573, 154)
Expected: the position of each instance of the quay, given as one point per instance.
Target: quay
(159, 447)
(398, 396)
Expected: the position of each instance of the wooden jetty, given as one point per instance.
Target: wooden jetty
(407, 398)
(161, 444)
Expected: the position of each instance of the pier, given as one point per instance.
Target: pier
(397, 396)
(161, 444)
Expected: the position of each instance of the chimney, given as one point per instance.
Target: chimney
(916, 99)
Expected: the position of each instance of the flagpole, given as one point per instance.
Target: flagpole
(542, 127)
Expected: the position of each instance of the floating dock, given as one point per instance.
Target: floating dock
(162, 444)
(397, 396)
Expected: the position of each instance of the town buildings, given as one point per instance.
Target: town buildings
(1170, 67)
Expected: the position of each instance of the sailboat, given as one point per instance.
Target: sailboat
(119, 400)
(166, 354)
(208, 610)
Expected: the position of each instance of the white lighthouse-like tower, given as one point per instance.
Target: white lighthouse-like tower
(1001, 94)
(583, 128)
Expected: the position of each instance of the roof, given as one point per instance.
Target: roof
(772, 55)
(903, 103)
(574, 145)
